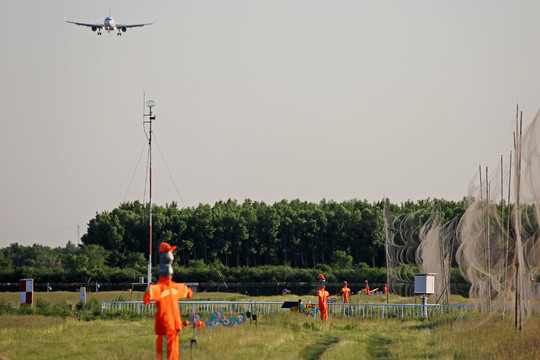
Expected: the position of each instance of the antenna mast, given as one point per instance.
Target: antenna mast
(150, 104)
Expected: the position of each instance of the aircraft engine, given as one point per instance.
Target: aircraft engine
(94, 28)
(124, 29)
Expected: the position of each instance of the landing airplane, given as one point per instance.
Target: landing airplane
(108, 24)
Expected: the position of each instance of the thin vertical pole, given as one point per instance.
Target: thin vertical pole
(387, 255)
(483, 219)
(150, 104)
(502, 202)
(518, 237)
(150, 201)
(488, 247)
(502, 224)
(508, 215)
(517, 225)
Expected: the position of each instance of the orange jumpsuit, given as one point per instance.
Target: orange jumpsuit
(168, 321)
(346, 293)
(323, 303)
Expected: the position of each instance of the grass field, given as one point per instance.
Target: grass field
(280, 336)
(72, 298)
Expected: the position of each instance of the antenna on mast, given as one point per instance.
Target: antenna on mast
(150, 104)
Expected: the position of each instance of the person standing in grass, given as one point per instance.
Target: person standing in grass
(166, 294)
(323, 298)
(345, 292)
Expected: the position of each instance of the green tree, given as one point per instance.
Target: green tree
(342, 260)
(5, 261)
(97, 255)
(106, 231)
(266, 233)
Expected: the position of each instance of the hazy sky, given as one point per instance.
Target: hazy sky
(259, 99)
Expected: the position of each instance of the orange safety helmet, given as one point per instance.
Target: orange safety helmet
(164, 247)
(321, 276)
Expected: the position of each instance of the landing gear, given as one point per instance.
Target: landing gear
(119, 34)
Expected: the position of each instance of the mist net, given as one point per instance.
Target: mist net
(499, 251)
(418, 242)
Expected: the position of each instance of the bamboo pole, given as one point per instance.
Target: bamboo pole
(488, 245)
(483, 218)
(519, 244)
(502, 207)
(517, 225)
(386, 248)
(502, 230)
(509, 215)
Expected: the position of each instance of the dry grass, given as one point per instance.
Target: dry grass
(283, 336)
(39, 337)
(73, 298)
(479, 338)
(280, 336)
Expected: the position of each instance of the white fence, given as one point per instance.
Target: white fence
(401, 311)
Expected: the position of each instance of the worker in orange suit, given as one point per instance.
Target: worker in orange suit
(367, 288)
(166, 294)
(323, 298)
(346, 292)
(385, 289)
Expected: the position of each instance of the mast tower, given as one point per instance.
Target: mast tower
(150, 104)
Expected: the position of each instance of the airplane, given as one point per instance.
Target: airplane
(108, 24)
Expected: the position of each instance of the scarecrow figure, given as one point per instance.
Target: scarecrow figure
(323, 298)
(166, 294)
(346, 292)
(368, 292)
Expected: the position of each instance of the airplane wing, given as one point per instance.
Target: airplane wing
(84, 24)
(132, 25)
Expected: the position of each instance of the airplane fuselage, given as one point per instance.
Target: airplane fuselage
(109, 24)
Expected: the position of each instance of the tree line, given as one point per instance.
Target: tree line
(296, 233)
(214, 240)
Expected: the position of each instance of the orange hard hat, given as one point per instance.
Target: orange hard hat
(321, 276)
(164, 247)
(345, 282)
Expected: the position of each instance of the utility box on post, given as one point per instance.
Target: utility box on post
(424, 284)
(27, 292)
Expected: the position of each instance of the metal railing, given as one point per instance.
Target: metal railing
(400, 311)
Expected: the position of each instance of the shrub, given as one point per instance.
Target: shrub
(6, 308)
